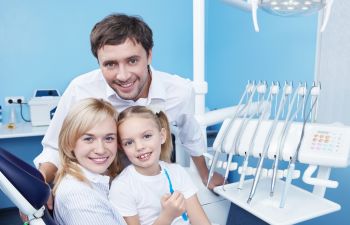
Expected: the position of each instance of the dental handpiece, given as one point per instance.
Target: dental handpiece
(233, 151)
(252, 141)
(287, 123)
(247, 154)
(223, 131)
(266, 147)
(314, 91)
(238, 134)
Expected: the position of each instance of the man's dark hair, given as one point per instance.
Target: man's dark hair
(115, 29)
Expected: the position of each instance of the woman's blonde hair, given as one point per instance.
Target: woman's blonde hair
(159, 118)
(83, 116)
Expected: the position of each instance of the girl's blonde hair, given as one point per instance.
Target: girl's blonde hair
(82, 117)
(159, 118)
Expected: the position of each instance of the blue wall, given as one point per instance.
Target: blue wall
(44, 44)
(284, 49)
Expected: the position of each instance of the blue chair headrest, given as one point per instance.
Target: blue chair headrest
(27, 180)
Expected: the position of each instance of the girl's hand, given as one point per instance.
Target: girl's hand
(172, 206)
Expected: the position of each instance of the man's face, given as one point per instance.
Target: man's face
(124, 67)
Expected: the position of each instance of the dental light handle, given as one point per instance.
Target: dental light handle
(287, 183)
(254, 15)
(326, 14)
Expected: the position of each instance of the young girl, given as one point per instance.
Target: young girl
(87, 149)
(151, 190)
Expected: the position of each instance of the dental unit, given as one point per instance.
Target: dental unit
(292, 136)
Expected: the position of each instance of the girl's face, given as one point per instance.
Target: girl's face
(141, 141)
(97, 148)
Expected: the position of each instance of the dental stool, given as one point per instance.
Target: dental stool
(25, 187)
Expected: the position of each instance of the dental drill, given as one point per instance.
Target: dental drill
(224, 129)
(300, 92)
(314, 91)
(226, 143)
(261, 89)
(267, 144)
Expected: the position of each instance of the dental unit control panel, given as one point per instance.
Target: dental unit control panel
(326, 145)
(323, 144)
(285, 131)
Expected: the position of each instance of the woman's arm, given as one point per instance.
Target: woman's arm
(195, 211)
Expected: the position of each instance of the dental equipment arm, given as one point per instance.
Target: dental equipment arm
(326, 14)
(254, 14)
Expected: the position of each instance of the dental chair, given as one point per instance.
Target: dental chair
(25, 187)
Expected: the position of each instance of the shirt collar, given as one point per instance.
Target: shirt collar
(157, 88)
(95, 177)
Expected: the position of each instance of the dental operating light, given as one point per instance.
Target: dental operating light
(285, 8)
(292, 7)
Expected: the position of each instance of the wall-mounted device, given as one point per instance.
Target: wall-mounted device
(43, 106)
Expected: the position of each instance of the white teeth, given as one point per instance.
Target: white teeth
(144, 156)
(99, 159)
(126, 85)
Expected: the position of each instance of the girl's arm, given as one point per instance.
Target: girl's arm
(195, 211)
(132, 220)
(172, 207)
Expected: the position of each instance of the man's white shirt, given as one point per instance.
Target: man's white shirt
(171, 93)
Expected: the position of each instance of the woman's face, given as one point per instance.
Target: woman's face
(96, 149)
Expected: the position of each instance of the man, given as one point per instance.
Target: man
(123, 47)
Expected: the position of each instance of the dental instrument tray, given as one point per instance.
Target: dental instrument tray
(267, 208)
